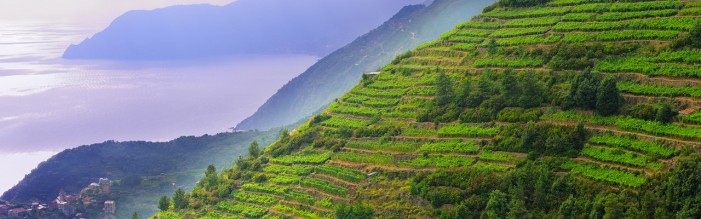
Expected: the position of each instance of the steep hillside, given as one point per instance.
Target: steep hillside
(337, 73)
(155, 166)
(314, 27)
(542, 109)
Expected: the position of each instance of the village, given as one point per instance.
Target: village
(74, 206)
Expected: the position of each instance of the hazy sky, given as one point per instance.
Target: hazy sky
(91, 13)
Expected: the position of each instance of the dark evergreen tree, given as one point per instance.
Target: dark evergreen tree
(563, 186)
(633, 213)
(242, 163)
(613, 208)
(254, 149)
(492, 46)
(582, 91)
(531, 93)
(665, 113)
(693, 39)
(585, 96)
(462, 99)
(568, 209)
(356, 211)
(542, 186)
(179, 199)
(285, 134)
(210, 177)
(135, 216)
(510, 87)
(529, 136)
(608, 98)
(581, 135)
(682, 190)
(497, 206)
(597, 208)
(444, 90)
(695, 36)
(517, 209)
(164, 203)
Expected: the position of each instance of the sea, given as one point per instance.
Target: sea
(48, 104)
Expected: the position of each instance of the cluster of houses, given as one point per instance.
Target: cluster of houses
(66, 205)
(10, 210)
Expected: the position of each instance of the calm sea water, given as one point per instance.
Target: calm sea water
(48, 104)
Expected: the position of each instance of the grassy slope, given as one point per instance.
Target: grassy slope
(337, 73)
(374, 128)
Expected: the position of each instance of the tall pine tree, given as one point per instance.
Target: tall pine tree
(608, 98)
(497, 206)
(444, 90)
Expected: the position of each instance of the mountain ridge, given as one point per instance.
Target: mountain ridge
(197, 31)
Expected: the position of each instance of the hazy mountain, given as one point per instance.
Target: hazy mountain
(315, 27)
(338, 72)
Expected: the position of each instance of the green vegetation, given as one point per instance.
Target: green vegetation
(305, 158)
(646, 66)
(648, 147)
(605, 174)
(341, 172)
(354, 110)
(439, 161)
(467, 131)
(419, 132)
(580, 37)
(509, 63)
(526, 12)
(324, 186)
(294, 169)
(497, 156)
(376, 158)
(285, 179)
(578, 17)
(694, 118)
(627, 6)
(390, 146)
(264, 188)
(652, 127)
(512, 32)
(521, 112)
(298, 212)
(491, 167)
(254, 198)
(386, 93)
(614, 16)
(343, 122)
(247, 210)
(659, 90)
(687, 56)
(455, 146)
(532, 22)
(527, 40)
(519, 115)
(619, 156)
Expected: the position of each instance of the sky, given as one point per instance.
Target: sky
(88, 13)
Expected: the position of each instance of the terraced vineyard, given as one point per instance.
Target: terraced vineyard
(569, 101)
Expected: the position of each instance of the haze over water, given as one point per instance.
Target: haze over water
(48, 104)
